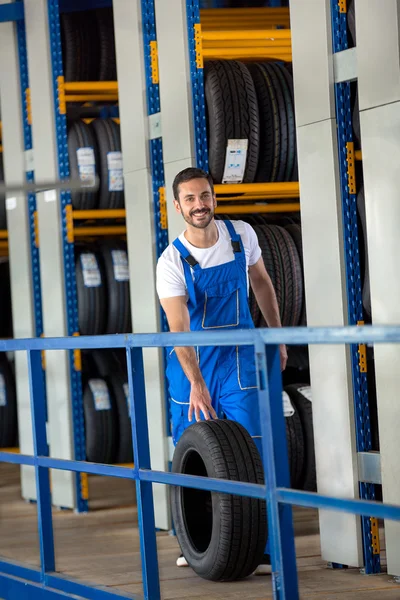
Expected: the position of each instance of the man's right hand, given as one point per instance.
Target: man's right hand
(200, 400)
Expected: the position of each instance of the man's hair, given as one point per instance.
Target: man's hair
(189, 174)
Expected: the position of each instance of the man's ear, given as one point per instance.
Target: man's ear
(177, 206)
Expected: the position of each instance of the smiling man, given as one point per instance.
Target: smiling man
(203, 283)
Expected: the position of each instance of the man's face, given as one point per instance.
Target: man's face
(196, 203)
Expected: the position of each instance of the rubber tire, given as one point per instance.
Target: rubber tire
(108, 137)
(308, 479)
(8, 413)
(366, 290)
(101, 432)
(295, 232)
(295, 443)
(288, 75)
(269, 125)
(223, 449)
(351, 22)
(105, 32)
(269, 69)
(290, 124)
(80, 136)
(118, 293)
(92, 301)
(356, 120)
(116, 384)
(71, 50)
(3, 214)
(6, 322)
(232, 113)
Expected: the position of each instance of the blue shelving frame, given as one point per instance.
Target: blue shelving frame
(353, 281)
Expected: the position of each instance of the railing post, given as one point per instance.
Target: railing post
(40, 448)
(144, 489)
(276, 467)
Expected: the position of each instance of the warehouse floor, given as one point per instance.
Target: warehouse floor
(102, 547)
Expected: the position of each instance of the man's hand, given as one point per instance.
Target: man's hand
(283, 355)
(200, 400)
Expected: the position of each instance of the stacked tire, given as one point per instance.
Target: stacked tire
(88, 45)
(253, 103)
(108, 430)
(102, 276)
(8, 404)
(95, 151)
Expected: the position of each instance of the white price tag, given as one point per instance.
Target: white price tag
(100, 393)
(86, 165)
(120, 265)
(306, 392)
(11, 203)
(235, 161)
(90, 270)
(126, 392)
(115, 172)
(288, 409)
(3, 391)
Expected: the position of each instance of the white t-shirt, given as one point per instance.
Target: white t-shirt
(170, 274)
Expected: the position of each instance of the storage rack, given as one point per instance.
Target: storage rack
(370, 530)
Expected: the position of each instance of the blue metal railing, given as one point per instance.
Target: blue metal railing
(18, 581)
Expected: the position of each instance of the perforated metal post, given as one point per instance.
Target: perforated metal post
(353, 277)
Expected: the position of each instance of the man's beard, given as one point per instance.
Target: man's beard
(200, 224)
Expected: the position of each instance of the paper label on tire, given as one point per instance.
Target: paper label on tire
(90, 270)
(120, 265)
(126, 392)
(3, 391)
(235, 161)
(100, 393)
(288, 409)
(115, 172)
(86, 165)
(306, 392)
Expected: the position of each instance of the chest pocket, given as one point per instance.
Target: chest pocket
(221, 305)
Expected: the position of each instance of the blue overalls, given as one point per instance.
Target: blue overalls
(218, 299)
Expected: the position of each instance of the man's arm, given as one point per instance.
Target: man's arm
(178, 320)
(265, 295)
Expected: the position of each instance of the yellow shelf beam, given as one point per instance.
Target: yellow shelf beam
(117, 213)
(99, 231)
(266, 35)
(3, 234)
(246, 53)
(358, 155)
(91, 98)
(91, 87)
(258, 208)
(269, 191)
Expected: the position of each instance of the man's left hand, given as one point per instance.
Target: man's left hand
(283, 356)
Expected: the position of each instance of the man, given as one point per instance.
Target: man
(203, 281)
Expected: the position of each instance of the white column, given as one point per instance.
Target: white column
(18, 235)
(60, 432)
(176, 98)
(324, 270)
(378, 55)
(140, 227)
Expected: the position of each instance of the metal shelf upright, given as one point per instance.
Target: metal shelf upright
(370, 530)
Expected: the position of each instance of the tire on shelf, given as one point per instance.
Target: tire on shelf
(118, 385)
(91, 292)
(8, 405)
(356, 119)
(269, 125)
(3, 214)
(100, 422)
(295, 233)
(105, 32)
(295, 445)
(232, 113)
(71, 50)
(82, 163)
(6, 322)
(116, 270)
(222, 536)
(366, 290)
(292, 123)
(300, 395)
(351, 21)
(275, 85)
(109, 159)
(80, 46)
(281, 79)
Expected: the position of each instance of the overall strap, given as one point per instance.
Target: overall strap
(236, 240)
(189, 262)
